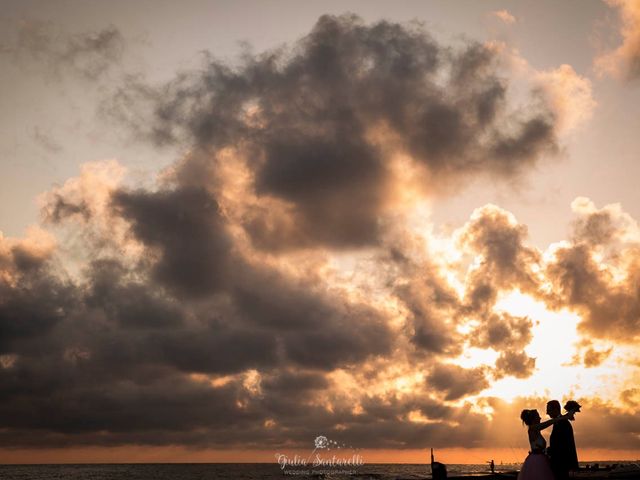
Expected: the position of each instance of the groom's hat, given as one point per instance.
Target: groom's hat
(572, 405)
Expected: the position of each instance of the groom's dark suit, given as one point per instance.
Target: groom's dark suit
(562, 450)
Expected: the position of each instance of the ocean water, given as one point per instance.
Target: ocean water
(225, 471)
(233, 471)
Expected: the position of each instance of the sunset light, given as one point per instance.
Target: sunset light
(273, 237)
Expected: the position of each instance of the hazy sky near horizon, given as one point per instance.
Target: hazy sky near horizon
(242, 224)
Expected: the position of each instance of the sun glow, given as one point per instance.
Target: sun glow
(554, 345)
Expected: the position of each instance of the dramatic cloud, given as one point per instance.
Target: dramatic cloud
(597, 273)
(624, 61)
(499, 241)
(256, 343)
(328, 126)
(269, 285)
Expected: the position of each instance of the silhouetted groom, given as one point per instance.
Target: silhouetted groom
(562, 446)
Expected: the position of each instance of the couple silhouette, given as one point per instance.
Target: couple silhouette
(556, 461)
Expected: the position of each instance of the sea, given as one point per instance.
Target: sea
(232, 471)
(227, 471)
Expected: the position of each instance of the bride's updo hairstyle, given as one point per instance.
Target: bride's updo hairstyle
(527, 416)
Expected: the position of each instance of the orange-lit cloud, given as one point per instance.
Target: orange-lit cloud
(275, 283)
(505, 16)
(624, 61)
(567, 95)
(570, 96)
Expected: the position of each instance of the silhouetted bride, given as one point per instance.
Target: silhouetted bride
(536, 466)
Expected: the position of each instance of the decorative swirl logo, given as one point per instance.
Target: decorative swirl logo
(321, 442)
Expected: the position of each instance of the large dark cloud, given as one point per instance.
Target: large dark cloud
(195, 259)
(26, 276)
(121, 356)
(245, 345)
(185, 226)
(128, 332)
(319, 122)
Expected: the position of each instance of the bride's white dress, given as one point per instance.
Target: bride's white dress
(536, 466)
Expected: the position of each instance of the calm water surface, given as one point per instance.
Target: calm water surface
(227, 471)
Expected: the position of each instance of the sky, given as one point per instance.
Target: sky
(228, 228)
